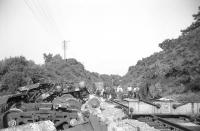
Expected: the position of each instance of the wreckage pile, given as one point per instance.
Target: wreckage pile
(114, 119)
(93, 115)
(38, 126)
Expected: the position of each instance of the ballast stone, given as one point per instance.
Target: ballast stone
(37, 126)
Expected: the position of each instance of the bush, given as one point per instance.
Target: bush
(193, 86)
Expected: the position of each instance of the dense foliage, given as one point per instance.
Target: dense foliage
(17, 71)
(174, 70)
(195, 24)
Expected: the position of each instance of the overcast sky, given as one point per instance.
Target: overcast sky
(107, 36)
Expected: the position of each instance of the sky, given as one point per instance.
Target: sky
(107, 36)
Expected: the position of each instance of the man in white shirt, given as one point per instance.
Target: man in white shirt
(119, 92)
(119, 89)
(129, 89)
(102, 91)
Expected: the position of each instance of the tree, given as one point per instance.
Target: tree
(167, 44)
(47, 58)
(194, 25)
(16, 72)
(12, 80)
(36, 73)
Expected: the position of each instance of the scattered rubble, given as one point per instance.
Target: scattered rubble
(38, 126)
(114, 119)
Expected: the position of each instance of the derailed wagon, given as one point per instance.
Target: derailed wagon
(47, 101)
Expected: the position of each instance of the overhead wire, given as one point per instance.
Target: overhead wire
(35, 14)
(43, 15)
(44, 12)
(45, 8)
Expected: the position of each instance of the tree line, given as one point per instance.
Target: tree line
(18, 71)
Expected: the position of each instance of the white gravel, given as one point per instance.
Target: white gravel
(113, 118)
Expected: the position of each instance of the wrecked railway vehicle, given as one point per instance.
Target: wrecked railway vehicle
(46, 101)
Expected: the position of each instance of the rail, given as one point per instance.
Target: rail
(158, 121)
(119, 103)
(150, 103)
(170, 124)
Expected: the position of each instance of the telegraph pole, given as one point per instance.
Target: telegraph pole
(64, 47)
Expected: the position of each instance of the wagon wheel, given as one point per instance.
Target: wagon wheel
(8, 120)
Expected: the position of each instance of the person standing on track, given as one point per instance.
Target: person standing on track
(134, 92)
(119, 92)
(130, 93)
(137, 92)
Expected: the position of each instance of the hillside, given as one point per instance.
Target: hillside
(174, 70)
(17, 71)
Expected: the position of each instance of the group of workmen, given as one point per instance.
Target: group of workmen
(119, 92)
(133, 92)
(107, 93)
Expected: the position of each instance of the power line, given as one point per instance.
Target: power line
(46, 11)
(33, 11)
(43, 16)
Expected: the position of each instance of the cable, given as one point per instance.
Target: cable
(46, 11)
(43, 16)
(49, 14)
(31, 7)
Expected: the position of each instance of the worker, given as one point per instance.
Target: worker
(119, 92)
(130, 93)
(113, 93)
(105, 93)
(98, 92)
(102, 91)
(137, 92)
(119, 89)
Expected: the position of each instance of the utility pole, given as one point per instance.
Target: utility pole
(64, 47)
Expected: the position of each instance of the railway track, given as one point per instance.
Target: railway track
(159, 121)
(117, 102)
